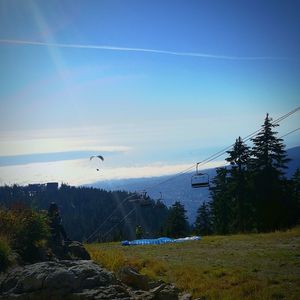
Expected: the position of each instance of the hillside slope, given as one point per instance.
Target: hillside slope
(89, 212)
(248, 266)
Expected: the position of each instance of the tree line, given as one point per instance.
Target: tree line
(252, 194)
(87, 210)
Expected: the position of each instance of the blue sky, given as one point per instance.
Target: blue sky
(202, 73)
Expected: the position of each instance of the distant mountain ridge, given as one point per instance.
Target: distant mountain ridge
(294, 155)
(179, 188)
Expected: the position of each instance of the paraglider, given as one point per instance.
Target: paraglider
(97, 156)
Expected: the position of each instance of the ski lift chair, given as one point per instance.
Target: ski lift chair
(145, 199)
(199, 180)
(137, 198)
(146, 202)
(142, 199)
(159, 202)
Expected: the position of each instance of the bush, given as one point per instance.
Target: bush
(9, 223)
(5, 251)
(34, 229)
(25, 230)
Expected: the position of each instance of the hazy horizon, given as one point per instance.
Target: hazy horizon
(154, 87)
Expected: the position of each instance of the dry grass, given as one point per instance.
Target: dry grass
(253, 266)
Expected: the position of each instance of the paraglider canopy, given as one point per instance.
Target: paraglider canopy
(97, 156)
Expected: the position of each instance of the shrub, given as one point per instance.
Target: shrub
(34, 229)
(25, 230)
(9, 223)
(4, 253)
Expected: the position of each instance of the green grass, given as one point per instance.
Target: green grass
(252, 266)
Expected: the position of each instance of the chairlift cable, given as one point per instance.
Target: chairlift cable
(245, 141)
(172, 177)
(203, 162)
(223, 151)
(109, 231)
(247, 138)
(292, 131)
(100, 226)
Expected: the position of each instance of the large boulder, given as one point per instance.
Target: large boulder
(67, 250)
(77, 251)
(60, 280)
(79, 280)
(133, 278)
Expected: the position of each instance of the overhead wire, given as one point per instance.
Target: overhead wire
(247, 138)
(203, 162)
(224, 151)
(100, 226)
(290, 132)
(109, 231)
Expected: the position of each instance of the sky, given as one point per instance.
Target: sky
(153, 86)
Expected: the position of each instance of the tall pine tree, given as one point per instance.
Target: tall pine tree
(268, 163)
(296, 196)
(176, 223)
(203, 220)
(242, 210)
(220, 205)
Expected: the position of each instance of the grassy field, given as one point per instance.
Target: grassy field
(253, 266)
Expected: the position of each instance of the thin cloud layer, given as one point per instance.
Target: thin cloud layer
(24, 159)
(157, 51)
(77, 172)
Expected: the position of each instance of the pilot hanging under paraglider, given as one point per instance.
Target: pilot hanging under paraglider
(98, 157)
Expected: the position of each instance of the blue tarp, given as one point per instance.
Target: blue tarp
(159, 241)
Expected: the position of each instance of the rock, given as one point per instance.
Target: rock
(133, 278)
(162, 292)
(165, 292)
(67, 250)
(111, 292)
(77, 251)
(154, 284)
(185, 296)
(57, 280)
(79, 280)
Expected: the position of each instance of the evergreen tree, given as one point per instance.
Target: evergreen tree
(296, 195)
(242, 211)
(203, 220)
(221, 208)
(176, 223)
(89, 211)
(239, 156)
(268, 151)
(267, 166)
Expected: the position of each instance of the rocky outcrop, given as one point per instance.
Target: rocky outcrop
(60, 280)
(77, 251)
(133, 278)
(69, 250)
(78, 280)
